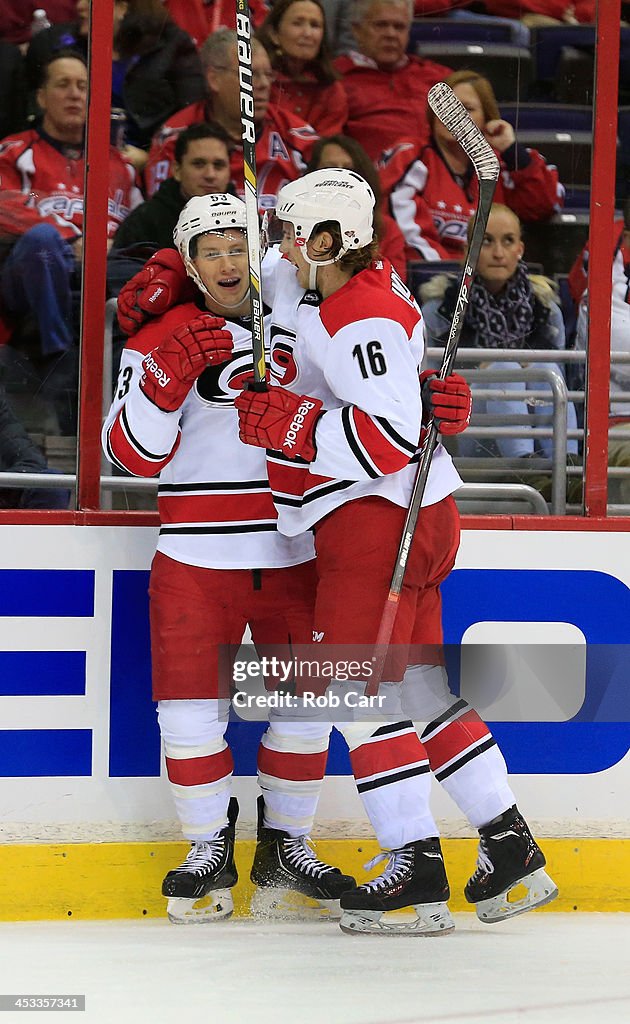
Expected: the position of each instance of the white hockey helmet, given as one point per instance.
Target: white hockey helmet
(331, 194)
(202, 215)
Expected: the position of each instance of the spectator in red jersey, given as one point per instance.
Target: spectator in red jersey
(341, 151)
(284, 142)
(156, 69)
(386, 87)
(434, 188)
(305, 82)
(200, 18)
(41, 204)
(16, 17)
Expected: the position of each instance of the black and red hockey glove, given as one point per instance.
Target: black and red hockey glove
(280, 420)
(448, 402)
(162, 283)
(171, 369)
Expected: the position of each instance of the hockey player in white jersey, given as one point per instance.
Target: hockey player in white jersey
(220, 564)
(344, 431)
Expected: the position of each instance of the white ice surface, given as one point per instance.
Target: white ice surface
(537, 969)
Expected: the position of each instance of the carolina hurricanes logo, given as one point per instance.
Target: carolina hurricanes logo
(283, 367)
(283, 363)
(219, 385)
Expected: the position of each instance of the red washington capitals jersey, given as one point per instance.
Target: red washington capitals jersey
(40, 182)
(283, 148)
(433, 206)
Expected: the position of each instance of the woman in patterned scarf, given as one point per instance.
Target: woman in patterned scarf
(508, 308)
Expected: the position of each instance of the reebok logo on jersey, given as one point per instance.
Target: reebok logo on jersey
(156, 370)
(297, 424)
(317, 637)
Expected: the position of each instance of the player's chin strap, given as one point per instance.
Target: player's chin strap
(315, 264)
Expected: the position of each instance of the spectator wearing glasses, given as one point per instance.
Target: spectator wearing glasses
(283, 144)
(305, 82)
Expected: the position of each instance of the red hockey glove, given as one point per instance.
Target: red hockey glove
(171, 369)
(160, 284)
(448, 401)
(280, 420)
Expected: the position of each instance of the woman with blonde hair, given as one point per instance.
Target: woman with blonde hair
(509, 308)
(434, 188)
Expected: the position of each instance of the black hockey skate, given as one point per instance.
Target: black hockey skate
(290, 880)
(508, 856)
(198, 890)
(414, 877)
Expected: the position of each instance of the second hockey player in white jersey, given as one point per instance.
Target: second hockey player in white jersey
(220, 564)
(344, 430)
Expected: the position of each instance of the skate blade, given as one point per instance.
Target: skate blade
(215, 906)
(540, 889)
(288, 905)
(430, 919)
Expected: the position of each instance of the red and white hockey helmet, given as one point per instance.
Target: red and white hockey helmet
(202, 215)
(331, 194)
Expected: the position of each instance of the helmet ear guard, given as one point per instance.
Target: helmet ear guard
(332, 194)
(203, 215)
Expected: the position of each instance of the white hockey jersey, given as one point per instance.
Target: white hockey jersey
(214, 501)
(359, 351)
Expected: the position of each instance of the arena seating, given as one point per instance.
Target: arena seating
(569, 151)
(557, 117)
(447, 30)
(508, 67)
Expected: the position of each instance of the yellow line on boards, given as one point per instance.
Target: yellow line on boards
(91, 881)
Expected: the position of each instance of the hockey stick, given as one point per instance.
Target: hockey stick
(246, 97)
(453, 115)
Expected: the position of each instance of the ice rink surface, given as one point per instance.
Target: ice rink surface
(540, 968)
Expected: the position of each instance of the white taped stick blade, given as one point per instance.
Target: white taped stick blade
(454, 116)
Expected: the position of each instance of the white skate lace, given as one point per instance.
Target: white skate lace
(203, 855)
(301, 856)
(399, 863)
(484, 864)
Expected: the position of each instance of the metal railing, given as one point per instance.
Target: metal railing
(528, 427)
(478, 490)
